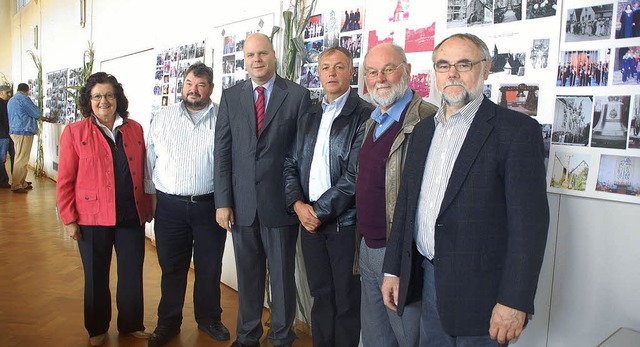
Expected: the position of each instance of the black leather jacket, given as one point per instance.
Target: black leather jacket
(347, 132)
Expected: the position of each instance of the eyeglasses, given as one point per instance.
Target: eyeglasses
(461, 66)
(373, 73)
(108, 96)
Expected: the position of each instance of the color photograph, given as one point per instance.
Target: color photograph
(619, 175)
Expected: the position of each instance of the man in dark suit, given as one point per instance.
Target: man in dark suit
(472, 211)
(320, 187)
(255, 127)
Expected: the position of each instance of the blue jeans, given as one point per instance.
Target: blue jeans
(431, 331)
(6, 146)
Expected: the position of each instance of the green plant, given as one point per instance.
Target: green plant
(87, 70)
(39, 169)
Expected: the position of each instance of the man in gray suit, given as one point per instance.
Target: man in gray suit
(256, 125)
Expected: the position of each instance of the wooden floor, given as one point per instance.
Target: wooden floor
(41, 282)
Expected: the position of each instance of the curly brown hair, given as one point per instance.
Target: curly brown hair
(84, 102)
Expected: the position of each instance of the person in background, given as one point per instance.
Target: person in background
(102, 204)
(472, 211)
(380, 166)
(23, 116)
(255, 128)
(6, 144)
(180, 178)
(320, 188)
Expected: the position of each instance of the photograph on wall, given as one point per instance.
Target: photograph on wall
(585, 68)
(355, 77)
(420, 39)
(314, 48)
(331, 28)
(610, 121)
(316, 94)
(521, 97)
(462, 13)
(314, 28)
(626, 66)
(628, 25)
(351, 20)
(229, 45)
(541, 8)
(508, 60)
(505, 11)
(420, 82)
(634, 125)
(55, 101)
(570, 170)
(572, 120)
(619, 175)
(486, 90)
(309, 76)
(227, 81)
(229, 64)
(588, 23)
(377, 37)
(400, 11)
(539, 54)
(353, 43)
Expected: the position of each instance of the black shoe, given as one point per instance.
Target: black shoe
(161, 336)
(216, 330)
(237, 343)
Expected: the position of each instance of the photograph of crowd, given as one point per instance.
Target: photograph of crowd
(610, 121)
(353, 44)
(619, 175)
(521, 97)
(314, 28)
(55, 102)
(541, 8)
(589, 23)
(572, 120)
(570, 170)
(309, 77)
(626, 68)
(539, 53)
(351, 20)
(583, 68)
(629, 24)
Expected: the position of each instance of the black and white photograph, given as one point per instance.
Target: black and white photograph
(331, 28)
(628, 24)
(227, 82)
(505, 11)
(353, 44)
(583, 68)
(317, 94)
(314, 48)
(356, 74)
(589, 23)
(521, 97)
(56, 100)
(610, 121)
(505, 61)
(314, 28)
(351, 20)
(486, 90)
(634, 124)
(626, 68)
(539, 54)
(309, 76)
(541, 8)
(462, 13)
(570, 170)
(572, 120)
(228, 64)
(619, 175)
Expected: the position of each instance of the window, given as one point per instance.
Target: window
(20, 4)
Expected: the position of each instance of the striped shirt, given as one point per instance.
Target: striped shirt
(447, 140)
(180, 152)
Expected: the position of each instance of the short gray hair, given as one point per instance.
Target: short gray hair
(469, 37)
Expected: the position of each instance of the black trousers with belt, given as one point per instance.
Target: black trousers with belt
(328, 257)
(183, 228)
(96, 248)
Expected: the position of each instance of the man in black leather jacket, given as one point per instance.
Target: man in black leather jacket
(320, 188)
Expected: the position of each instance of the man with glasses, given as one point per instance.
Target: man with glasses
(472, 212)
(23, 117)
(380, 165)
(180, 169)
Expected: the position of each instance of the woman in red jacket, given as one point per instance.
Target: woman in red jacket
(102, 204)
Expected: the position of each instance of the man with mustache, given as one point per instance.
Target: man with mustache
(380, 165)
(180, 176)
(472, 212)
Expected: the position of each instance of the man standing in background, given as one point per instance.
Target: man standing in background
(23, 116)
(180, 177)
(6, 144)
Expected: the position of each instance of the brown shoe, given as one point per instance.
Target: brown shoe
(20, 190)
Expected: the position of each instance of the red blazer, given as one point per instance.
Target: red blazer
(85, 187)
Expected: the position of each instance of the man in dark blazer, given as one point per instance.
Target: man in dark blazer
(250, 147)
(472, 211)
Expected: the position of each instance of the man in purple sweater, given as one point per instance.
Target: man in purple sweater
(380, 164)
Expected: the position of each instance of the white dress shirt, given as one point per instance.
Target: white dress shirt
(180, 152)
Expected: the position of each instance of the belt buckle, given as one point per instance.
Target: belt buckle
(192, 200)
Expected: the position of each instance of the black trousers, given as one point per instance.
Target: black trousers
(183, 229)
(96, 247)
(328, 257)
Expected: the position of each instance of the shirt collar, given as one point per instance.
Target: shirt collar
(116, 123)
(395, 111)
(267, 85)
(337, 103)
(467, 112)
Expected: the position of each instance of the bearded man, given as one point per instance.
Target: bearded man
(380, 165)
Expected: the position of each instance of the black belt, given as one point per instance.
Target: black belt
(188, 198)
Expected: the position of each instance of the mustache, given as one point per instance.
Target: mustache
(450, 83)
(382, 85)
(194, 94)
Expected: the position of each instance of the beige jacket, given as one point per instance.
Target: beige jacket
(417, 110)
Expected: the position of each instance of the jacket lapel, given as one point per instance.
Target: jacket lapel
(249, 108)
(476, 137)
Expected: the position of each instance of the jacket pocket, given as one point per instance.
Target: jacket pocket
(87, 202)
